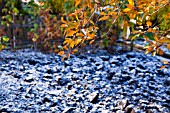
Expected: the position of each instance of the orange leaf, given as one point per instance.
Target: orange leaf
(63, 21)
(131, 2)
(103, 13)
(160, 52)
(162, 67)
(67, 40)
(168, 46)
(77, 2)
(103, 18)
(71, 33)
(126, 10)
(90, 36)
(64, 25)
(149, 23)
(133, 37)
(91, 41)
(79, 34)
(78, 41)
(61, 53)
(72, 44)
(165, 40)
(65, 47)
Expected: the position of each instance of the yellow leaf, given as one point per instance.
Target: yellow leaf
(131, 2)
(77, 2)
(149, 23)
(75, 50)
(168, 46)
(164, 40)
(103, 13)
(91, 22)
(78, 41)
(156, 38)
(71, 33)
(79, 34)
(133, 37)
(67, 40)
(103, 18)
(112, 13)
(65, 47)
(63, 21)
(162, 67)
(61, 53)
(126, 10)
(72, 43)
(90, 36)
(91, 41)
(64, 25)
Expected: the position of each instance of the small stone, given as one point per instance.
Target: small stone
(93, 97)
(69, 110)
(122, 103)
(129, 109)
(105, 58)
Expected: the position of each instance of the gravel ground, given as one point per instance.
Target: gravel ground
(102, 83)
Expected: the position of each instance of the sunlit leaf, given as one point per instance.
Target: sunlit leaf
(168, 46)
(71, 33)
(61, 53)
(64, 25)
(91, 41)
(72, 44)
(103, 18)
(103, 13)
(78, 41)
(131, 2)
(149, 23)
(63, 21)
(162, 67)
(164, 40)
(126, 10)
(77, 2)
(67, 41)
(133, 37)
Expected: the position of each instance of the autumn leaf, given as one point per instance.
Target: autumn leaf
(162, 67)
(78, 41)
(160, 51)
(126, 10)
(61, 53)
(164, 40)
(77, 2)
(133, 37)
(67, 41)
(63, 21)
(103, 18)
(71, 33)
(103, 13)
(91, 41)
(131, 2)
(149, 23)
(72, 44)
(168, 46)
(64, 25)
